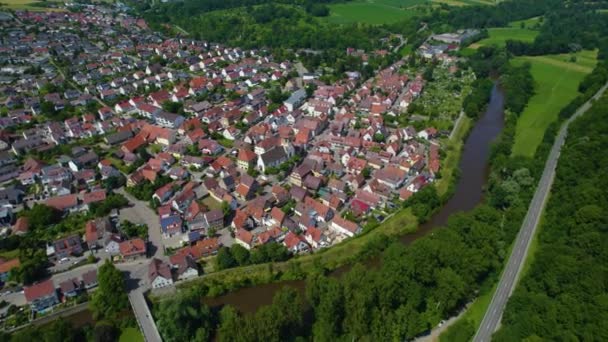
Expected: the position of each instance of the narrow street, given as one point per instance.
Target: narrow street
(141, 213)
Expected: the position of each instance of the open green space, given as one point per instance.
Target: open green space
(465, 2)
(530, 23)
(211, 203)
(500, 35)
(373, 11)
(30, 5)
(131, 335)
(556, 83)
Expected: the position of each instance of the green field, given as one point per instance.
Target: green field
(131, 335)
(378, 12)
(556, 84)
(530, 23)
(30, 5)
(499, 36)
(465, 2)
(373, 11)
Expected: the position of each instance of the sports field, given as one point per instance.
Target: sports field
(556, 83)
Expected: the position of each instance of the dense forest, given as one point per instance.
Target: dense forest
(563, 295)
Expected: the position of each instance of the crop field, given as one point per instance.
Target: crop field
(30, 5)
(556, 83)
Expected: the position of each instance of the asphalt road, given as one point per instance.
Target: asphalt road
(508, 280)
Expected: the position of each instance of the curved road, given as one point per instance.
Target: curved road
(508, 280)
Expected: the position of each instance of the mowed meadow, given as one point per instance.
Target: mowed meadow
(377, 12)
(373, 12)
(556, 78)
(30, 5)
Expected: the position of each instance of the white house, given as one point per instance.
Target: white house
(159, 274)
(345, 227)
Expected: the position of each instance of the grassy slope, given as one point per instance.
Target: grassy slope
(372, 11)
(557, 82)
(131, 335)
(499, 36)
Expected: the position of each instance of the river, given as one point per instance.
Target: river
(468, 193)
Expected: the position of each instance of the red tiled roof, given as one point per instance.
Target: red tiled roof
(39, 290)
(21, 225)
(94, 196)
(63, 202)
(246, 155)
(90, 234)
(6, 266)
(244, 236)
(132, 247)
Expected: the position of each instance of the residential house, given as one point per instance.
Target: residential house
(68, 246)
(171, 225)
(272, 158)
(64, 203)
(244, 238)
(89, 279)
(41, 296)
(6, 267)
(186, 267)
(214, 219)
(111, 244)
(344, 226)
(159, 274)
(295, 100)
(133, 249)
(296, 243)
(69, 288)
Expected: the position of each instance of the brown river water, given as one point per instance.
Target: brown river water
(468, 194)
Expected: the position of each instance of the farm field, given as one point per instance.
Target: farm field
(374, 12)
(464, 2)
(378, 12)
(556, 84)
(500, 35)
(30, 5)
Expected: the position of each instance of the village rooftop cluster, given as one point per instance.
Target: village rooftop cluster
(96, 108)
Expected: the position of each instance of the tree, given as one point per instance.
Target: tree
(184, 319)
(110, 298)
(226, 208)
(105, 331)
(240, 254)
(224, 259)
(230, 324)
(42, 216)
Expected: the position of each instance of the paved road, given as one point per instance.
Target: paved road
(508, 280)
(141, 213)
